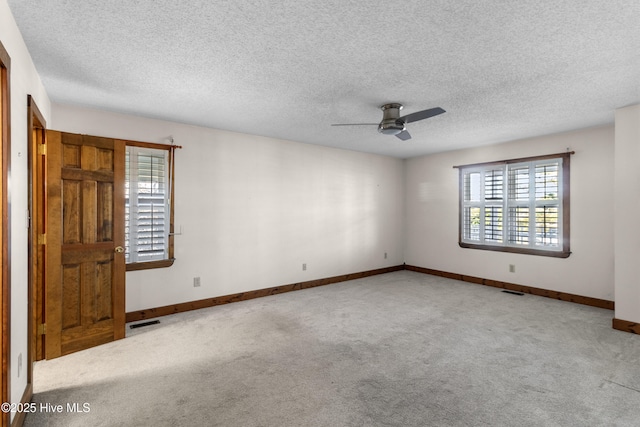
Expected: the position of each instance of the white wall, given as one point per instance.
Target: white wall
(252, 210)
(432, 216)
(627, 206)
(24, 80)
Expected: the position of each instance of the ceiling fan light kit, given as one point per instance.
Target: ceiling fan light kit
(393, 124)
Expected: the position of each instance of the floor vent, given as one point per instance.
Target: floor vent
(140, 325)
(513, 292)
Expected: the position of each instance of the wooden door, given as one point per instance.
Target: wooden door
(85, 264)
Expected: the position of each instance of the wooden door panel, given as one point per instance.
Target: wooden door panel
(71, 297)
(71, 201)
(89, 211)
(71, 153)
(88, 187)
(105, 218)
(104, 159)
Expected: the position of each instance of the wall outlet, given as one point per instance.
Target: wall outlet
(196, 282)
(385, 255)
(19, 364)
(304, 267)
(512, 268)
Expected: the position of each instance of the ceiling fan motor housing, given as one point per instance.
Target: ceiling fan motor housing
(390, 125)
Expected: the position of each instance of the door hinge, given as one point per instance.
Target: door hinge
(42, 239)
(42, 329)
(42, 149)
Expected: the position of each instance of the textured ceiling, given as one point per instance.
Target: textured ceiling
(288, 69)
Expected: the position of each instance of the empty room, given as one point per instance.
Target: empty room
(339, 213)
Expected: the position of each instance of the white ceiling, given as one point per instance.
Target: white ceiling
(288, 69)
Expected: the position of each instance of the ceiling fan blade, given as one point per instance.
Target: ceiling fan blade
(421, 115)
(355, 124)
(404, 135)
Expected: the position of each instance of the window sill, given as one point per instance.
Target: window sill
(135, 266)
(539, 252)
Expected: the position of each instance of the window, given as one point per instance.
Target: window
(519, 205)
(148, 206)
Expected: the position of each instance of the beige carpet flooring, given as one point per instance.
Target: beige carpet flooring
(400, 349)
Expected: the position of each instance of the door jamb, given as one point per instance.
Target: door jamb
(35, 123)
(5, 265)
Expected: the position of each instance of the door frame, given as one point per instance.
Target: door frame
(36, 134)
(5, 218)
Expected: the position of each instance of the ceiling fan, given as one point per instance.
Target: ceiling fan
(393, 124)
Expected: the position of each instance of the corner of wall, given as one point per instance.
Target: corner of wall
(626, 206)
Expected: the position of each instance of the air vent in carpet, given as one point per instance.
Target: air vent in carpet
(512, 292)
(140, 325)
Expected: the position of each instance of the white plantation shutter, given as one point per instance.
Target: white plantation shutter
(548, 206)
(534, 203)
(483, 205)
(519, 225)
(493, 206)
(518, 205)
(471, 209)
(147, 210)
